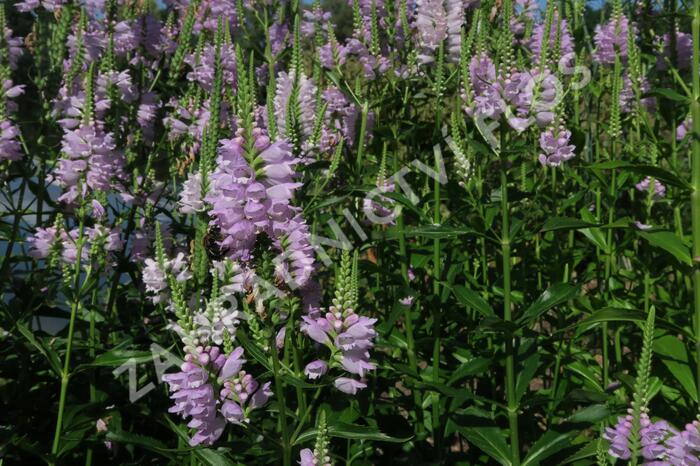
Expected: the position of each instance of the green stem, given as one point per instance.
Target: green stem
(65, 373)
(40, 193)
(301, 399)
(361, 139)
(606, 352)
(695, 194)
(557, 364)
(282, 405)
(538, 257)
(437, 318)
(291, 351)
(305, 416)
(647, 272)
(408, 318)
(507, 314)
(609, 263)
(555, 380)
(91, 350)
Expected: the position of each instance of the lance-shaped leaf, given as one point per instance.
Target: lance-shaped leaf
(669, 242)
(351, 431)
(471, 298)
(490, 440)
(556, 294)
(547, 445)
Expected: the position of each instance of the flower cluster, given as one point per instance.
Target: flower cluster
(10, 51)
(30, 5)
(559, 28)
(660, 443)
(194, 394)
(611, 40)
(628, 97)
(522, 97)
(59, 242)
(655, 187)
(320, 454)
(306, 101)
(211, 389)
(431, 22)
(203, 66)
(342, 117)
(155, 275)
(347, 335)
(555, 146)
(91, 161)
(247, 201)
(683, 52)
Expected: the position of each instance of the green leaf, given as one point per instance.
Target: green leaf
(674, 355)
(450, 392)
(70, 440)
(351, 431)
(149, 443)
(547, 445)
(669, 94)
(655, 385)
(118, 357)
(586, 373)
(405, 202)
(615, 314)
(32, 447)
(566, 223)
(595, 236)
(590, 449)
(471, 298)
(48, 352)
(297, 382)
(258, 354)
(326, 202)
(653, 171)
(553, 296)
(590, 414)
(252, 349)
(525, 374)
(670, 242)
(435, 231)
(498, 325)
(212, 457)
(477, 365)
(490, 440)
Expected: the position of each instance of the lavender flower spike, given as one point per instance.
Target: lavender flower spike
(432, 25)
(194, 395)
(659, 190)
(566, 45)
(611, 39)
(191, 196)
(618, 437)
(555, 146)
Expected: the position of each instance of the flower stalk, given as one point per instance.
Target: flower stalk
(65, 373)
(695, 182)
(511, 402)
